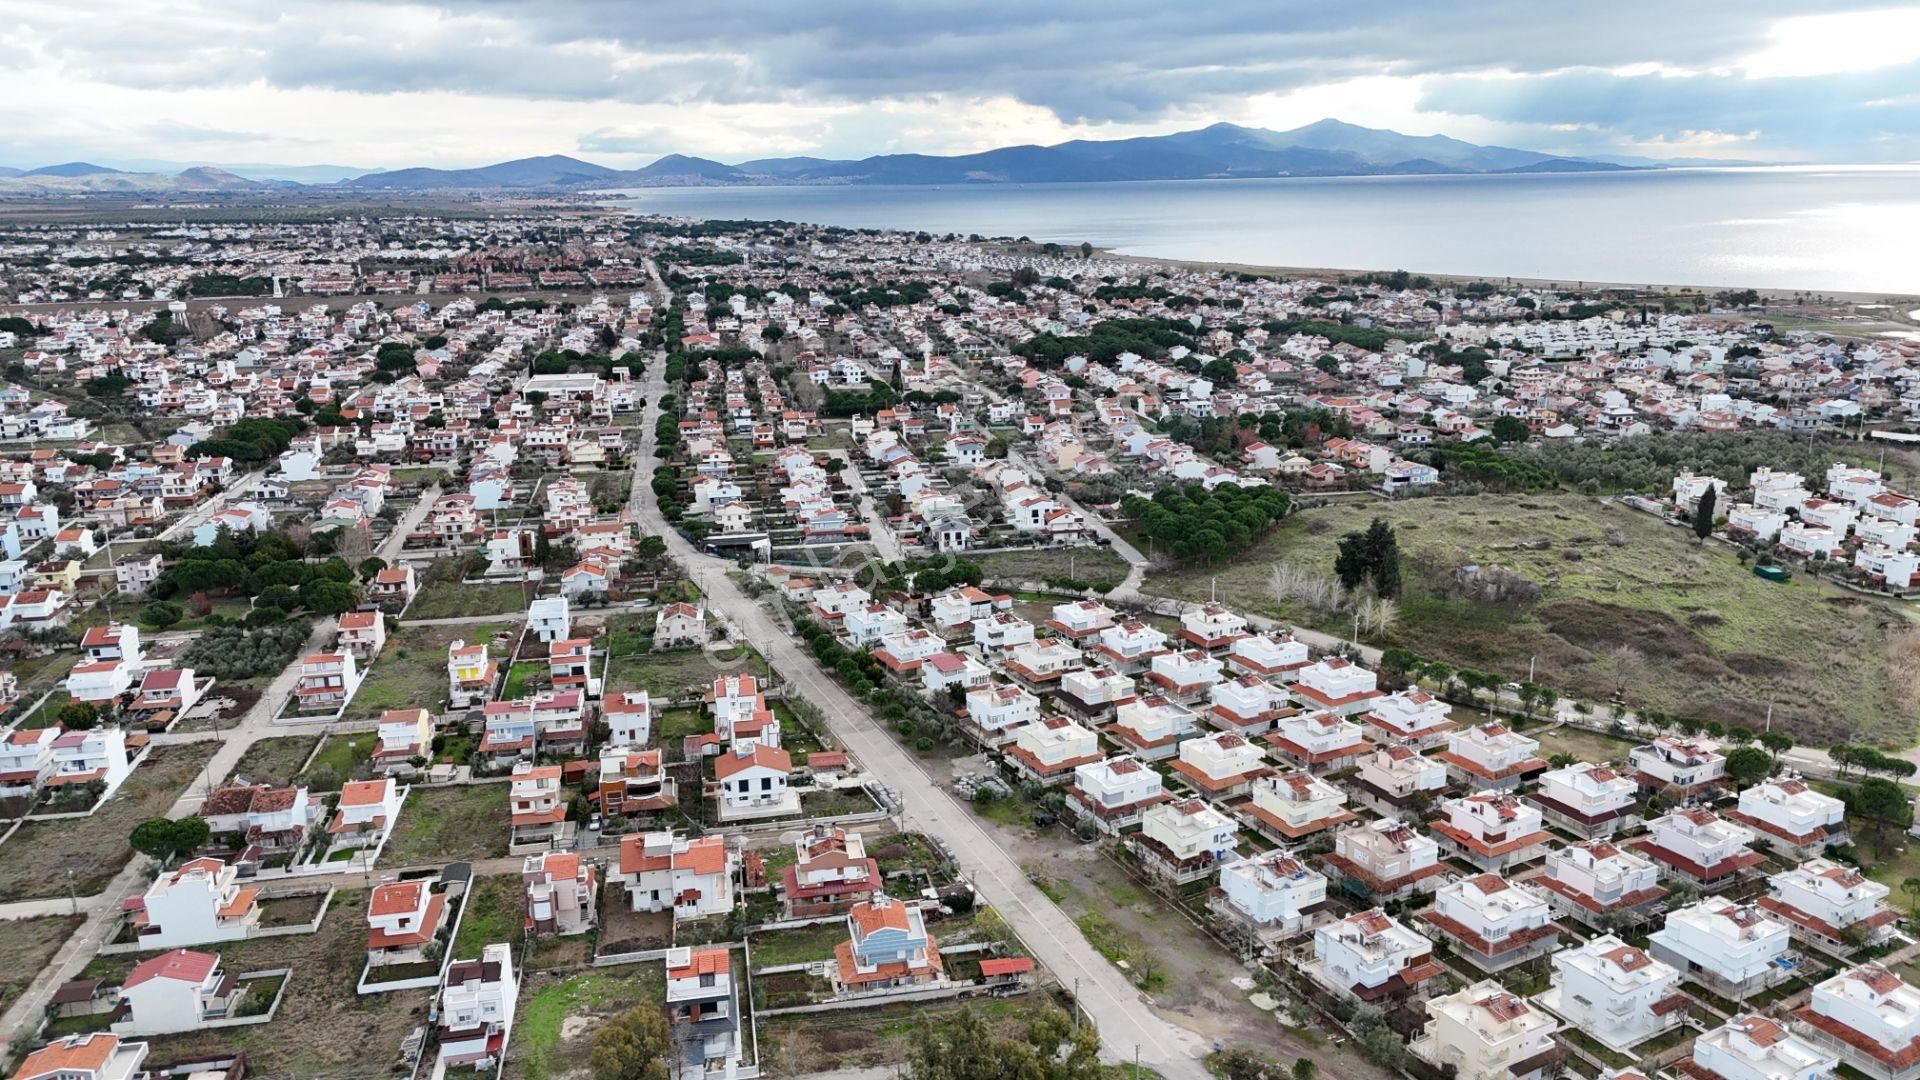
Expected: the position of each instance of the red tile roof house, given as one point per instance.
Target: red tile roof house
(366, 810)
(887, 946)
(830, 873)
(402, 916)
(176, 991)
(92, 1056)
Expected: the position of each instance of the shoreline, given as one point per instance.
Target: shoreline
(1895, 299)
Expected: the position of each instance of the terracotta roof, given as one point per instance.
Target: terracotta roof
(180, 964)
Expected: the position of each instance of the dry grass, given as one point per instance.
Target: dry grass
(26, 948)
(36, 861)
(1706, 637)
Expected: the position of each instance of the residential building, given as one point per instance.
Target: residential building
(1492, 756)
(471, 675)
(476, 1007)
(1337, 685)
(634, 783)
(327, 682)
(198, 903)
(1292, 806)
(1094, 694)
(1151, 727)
(995, 712)
(1272, 655)
(1247, 705)
(362, 633)
(661, 871)
(1791, 815)
(1869, 1018)
(1372, 957)
(1221, 765)
(1587, 800)
(1729, 948)
(1212, 627)
(1048, 750)
(887, 945)
(1385, 859)
(1492, 923)
(703, 1012)
(537, 803)
(1411, 716)
(1615, 993)
(829, 874)
(403, 734)
(1485, 1032)
(1320, 741)
(1185, 840)
(176, 991)
(96, 1055)
(1689, 765)
(629, 717)
(1831, 907)
(402, 916)
(1274, 894)
(1597, 881)
(1697, 846)
(1112, 793)
(561, 890)
(88, 757)
(1492, 830)
(272, 819)
(1755, 1047)
(365, 813)
(752, 781)
(1398, 779)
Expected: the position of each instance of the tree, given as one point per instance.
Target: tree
(1776, 742)
(1304, 1069)
(633, 1045)
(1748, 765)
(1911, 887)
(1510, 429)
(328, 597)
(1086, 250)
(78, 715)
(370, 566)
(965, 1048)
(1882, 803)
(165, 838)
(161, 614)
(1703, 513)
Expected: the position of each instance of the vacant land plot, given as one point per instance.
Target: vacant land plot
(553, 1033)
(680, 672)
(342, 757)
(1605, 599)
(453, 824)
(1080, 563)
(26, 946)
(496, 910)
(411, 672)
(323, 1027)
(454, 600)
(274, 761)
(36, 862)
(803, 1043)
(1584, 745)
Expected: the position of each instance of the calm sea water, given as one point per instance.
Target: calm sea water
(1854, 228)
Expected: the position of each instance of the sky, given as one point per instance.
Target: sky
(374, 84)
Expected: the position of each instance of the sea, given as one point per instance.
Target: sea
(1828, 229)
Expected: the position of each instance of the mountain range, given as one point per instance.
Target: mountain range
(1326, 148)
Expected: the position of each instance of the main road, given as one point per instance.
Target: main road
(1128, 1025)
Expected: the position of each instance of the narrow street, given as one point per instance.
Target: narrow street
(1124, 1019)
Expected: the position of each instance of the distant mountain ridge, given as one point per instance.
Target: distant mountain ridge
(1324, 148)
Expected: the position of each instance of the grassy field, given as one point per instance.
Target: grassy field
(36, 861)
(808, 943)
(1625, 603)
(679, 671)
(323, 1027)
(450, 825)
(275, 761)
(553, 1032)
(26, 947)
(452, 600)
(1082, 563)
(341, 758)
(411, 672)
(1585, 745)
(495, 911)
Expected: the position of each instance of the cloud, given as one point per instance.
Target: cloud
(860, 76)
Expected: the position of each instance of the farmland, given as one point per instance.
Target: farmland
(1625, 603)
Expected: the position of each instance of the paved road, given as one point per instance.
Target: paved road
(201, 512)
(390, 548)
(102, 911)
(1124, 1019)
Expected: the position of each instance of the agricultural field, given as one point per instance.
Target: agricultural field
(451, 824)
(1624, 603)
(37, 861)
(411, 672)
(323, 1027)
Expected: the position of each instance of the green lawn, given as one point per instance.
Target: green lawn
(496, 910)
(540, 1050)
(517, 677)
(1585, 745)
(1625, 602)
(677, 724)
(1088, 564)
(450, 824)
(342, 757)
(678, 671)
